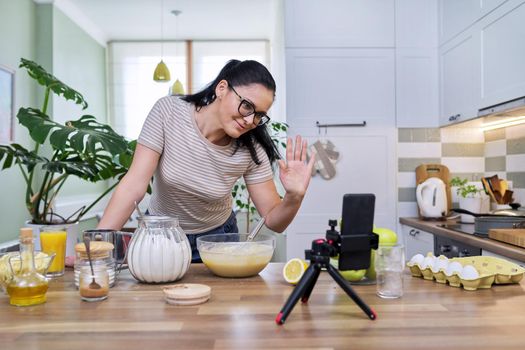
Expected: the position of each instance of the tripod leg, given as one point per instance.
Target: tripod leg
(308, 291)
(346, 287)
(304, 284)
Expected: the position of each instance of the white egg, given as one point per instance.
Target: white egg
(452, 268)
(427, 262)
(469, 273)
(440, 264)
(417, 259)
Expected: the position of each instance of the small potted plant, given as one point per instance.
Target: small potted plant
(470, 197)
(82, 148)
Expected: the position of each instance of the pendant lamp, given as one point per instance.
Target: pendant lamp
(162, 73)
(177, 88)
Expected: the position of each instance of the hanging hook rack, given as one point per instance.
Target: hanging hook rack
(319, 125)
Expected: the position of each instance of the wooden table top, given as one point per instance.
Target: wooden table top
(241, 314)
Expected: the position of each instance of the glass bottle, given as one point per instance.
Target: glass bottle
(27, 287)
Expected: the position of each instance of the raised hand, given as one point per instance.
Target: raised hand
(295, 172)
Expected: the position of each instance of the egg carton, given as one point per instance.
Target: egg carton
(475, 272)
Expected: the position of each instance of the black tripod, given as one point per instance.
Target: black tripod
(319, 257)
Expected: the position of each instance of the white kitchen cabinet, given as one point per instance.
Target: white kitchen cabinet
(339, 23)
(417, 92)
(459, 79)
(366, 165)
(455, 16)
(417, 241)
(485, 252)
(503, 54)
(342, 85)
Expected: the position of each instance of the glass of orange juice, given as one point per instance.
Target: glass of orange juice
(53, 240)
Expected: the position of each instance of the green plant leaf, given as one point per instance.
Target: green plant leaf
(16, 154)
(38, 73)
(84, 135)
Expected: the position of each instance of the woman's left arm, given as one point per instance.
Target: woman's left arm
(294, 174)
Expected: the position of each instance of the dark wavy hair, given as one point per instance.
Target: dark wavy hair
(242, 73)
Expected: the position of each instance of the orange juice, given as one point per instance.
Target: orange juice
(54, 242)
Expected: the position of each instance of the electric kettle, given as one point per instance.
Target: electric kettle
(432, 198)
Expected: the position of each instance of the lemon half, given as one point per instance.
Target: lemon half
(294, 269)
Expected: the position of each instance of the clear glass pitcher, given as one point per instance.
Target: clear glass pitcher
(159, 250)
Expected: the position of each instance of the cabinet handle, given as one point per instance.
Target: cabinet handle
(413, 232)
(444, 248)
(454, 117)
(463, 253)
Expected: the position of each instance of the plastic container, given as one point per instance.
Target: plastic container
(229, 255)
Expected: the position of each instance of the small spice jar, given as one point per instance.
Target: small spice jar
(101, 257)
(93, 286)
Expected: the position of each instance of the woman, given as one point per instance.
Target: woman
(197, 146)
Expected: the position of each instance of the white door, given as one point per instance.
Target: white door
(366, 165)
(339, 23)
(503, 54)
(340, 86)
(460, 84)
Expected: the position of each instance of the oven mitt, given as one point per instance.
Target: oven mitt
(325, 158)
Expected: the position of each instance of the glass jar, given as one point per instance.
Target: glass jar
(108, 264)
(159, 250)
(93, 286)
(101, 256)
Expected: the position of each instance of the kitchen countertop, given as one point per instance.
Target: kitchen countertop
(508, 250)
(241, 314)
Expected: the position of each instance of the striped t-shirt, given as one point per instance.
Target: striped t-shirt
(194, 177)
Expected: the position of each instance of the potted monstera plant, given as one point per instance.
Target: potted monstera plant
(82, 148)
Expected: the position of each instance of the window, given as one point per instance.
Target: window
(132, 91)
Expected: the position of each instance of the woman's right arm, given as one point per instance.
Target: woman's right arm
(131, 188)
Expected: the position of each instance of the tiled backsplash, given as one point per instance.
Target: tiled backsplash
(467, 152)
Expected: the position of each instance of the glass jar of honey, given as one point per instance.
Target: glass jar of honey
(101, 256)
(93, 284)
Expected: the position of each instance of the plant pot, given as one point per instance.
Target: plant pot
(72, 235)
(473, 204)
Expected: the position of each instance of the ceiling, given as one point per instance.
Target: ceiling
(123, 20)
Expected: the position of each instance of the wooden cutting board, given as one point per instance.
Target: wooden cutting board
(425, 171)
(514, 236)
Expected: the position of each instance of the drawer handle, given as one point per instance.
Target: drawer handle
(413, 232)
(454, 117)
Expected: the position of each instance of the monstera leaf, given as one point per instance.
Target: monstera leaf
(16, 154)
(49, 81)
(84, 136)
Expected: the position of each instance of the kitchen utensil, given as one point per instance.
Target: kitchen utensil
(514, 236)
(141, 216)
(93, 284)
(484, 222)
(513, 212)
(432, 198)
(255, 230)
(426, 171)
(221, 253)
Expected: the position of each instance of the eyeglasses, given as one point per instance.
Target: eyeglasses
(246, 109)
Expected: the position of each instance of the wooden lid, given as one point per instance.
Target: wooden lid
(187, 293)
(98, 249)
